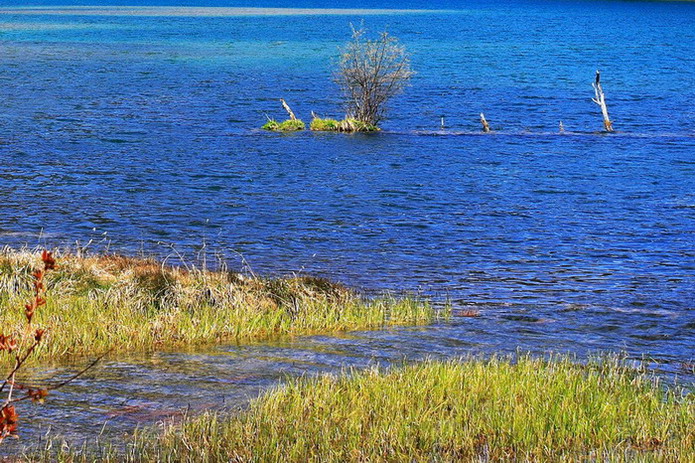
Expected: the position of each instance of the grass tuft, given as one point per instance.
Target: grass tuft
(118, 303)
(353, 125)
(290, 125)
(346, 125)
(324, 125)
(441, 411)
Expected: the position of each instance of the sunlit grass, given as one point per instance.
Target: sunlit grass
(119, 303)
(459, 410)
(324, 125)
(346, 125)
(290, 125)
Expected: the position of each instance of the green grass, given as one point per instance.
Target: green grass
(128, 304)
(324, 125)
(320, 125)
(346, 125)
(290, 125)
(459, 410)
(353, 125)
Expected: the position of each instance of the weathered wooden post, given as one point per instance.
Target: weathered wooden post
(287, 108)
(601, 101)
(486, 126)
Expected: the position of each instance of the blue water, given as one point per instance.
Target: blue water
(137, 133)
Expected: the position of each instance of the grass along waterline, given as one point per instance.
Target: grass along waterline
(102, 303)
(458, 410)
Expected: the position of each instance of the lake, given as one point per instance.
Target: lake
(136, 130)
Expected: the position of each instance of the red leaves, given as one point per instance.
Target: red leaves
(8, 422)
(38, 279)
(8, 415)
(38, 335)
(7, 343)
(32, 306)
(37, 395)
(49, 262)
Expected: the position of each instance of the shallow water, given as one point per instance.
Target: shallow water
(121, 394)
(137, 131)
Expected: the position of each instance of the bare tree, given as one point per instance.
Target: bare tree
(370, 73)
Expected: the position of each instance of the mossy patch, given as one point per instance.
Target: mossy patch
(348, 125)
(290, 125)
(324, 125)
(354, 125)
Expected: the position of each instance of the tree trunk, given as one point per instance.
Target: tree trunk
(486, 126)
(287, 108)
(600, 100)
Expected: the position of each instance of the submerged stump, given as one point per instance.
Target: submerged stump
(483, 121)
(290, 125)
(600, 100)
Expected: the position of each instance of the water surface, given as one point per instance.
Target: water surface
(135, 130)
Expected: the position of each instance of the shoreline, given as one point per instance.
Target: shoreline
(500, 409)
(98, 304)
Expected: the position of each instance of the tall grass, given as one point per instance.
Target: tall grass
(471, 410)
(120, 303)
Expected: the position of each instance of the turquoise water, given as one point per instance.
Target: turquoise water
(135, 130)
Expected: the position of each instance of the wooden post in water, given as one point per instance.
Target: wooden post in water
(287, 108)
(601, 101)
(486, 126)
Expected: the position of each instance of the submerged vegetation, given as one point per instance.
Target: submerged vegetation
(290, 125)
(457, 410)
(119, 303)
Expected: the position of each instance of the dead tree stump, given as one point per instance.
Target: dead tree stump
(287, 108)
(486, 126)
(600, 100)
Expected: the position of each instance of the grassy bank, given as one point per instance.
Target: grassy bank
(471, 410)
(120, 303)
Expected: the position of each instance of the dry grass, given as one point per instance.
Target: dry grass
(112, 302)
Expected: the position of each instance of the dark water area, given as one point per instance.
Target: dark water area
(138, 133)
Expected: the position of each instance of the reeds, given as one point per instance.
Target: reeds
(103, 303)
(458, 410)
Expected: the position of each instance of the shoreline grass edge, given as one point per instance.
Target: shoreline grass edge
(529, 409)
(114, 303)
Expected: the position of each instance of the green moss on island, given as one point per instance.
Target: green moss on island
(324, 125)
(354, 125)
(290, 125)
(348, 125)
